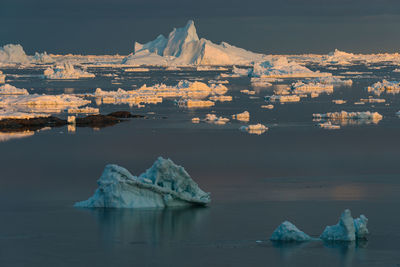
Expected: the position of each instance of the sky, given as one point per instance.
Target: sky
(266, 26)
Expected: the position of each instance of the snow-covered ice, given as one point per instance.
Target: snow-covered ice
(311, 87)
(66, 71)
(8, 89)
(165, 184)
(288, 232)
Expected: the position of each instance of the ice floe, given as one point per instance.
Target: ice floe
(343, 115)
(8, 89)
(184, 47)
(392, 87)
(2, 77)
(6, 114)
(339, 101)
(244, 116)
(17, 135)
(347, 229)
(214, 119)
(85, 110)
(288, 232)
(165, 184)
(42, 58)
(137, 70)
(311, 87)
(328, 125)
(254, 129)
(283, 98)
(66, 71)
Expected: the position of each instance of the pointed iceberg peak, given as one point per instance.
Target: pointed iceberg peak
(179, 38)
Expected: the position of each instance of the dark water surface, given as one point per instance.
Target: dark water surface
(295, 171)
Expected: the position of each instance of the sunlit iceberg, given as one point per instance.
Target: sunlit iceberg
(184, 47)
(165, 184)
(12, 54)
(288, 232)
(8, 89)
(392, 87)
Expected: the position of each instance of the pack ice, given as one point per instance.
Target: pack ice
(184, 47)
(287, 231)
(165, 184)
(347, 229)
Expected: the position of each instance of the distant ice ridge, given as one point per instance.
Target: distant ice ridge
(2, 77)
(66, 71)
(8, 89)
(378, 88)
(184, 47)
(165, 184)
(288, 232)
(13, 54)
(212, 118)
(280, 67)
(347, 229)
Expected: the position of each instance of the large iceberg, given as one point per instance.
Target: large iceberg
(347, 229)
(12, 54)
(165, 184)
(184, 47)
(288, 232)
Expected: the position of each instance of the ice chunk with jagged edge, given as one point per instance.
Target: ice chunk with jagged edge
(347, 229)
(280, 67)
(344, 230)
(165, 184)
(66, 71)
(288, 232)
(12, 54)
(184, 47)
(8, 89)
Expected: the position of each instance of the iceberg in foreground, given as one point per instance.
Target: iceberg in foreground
(165, 184)
(347, 229)
(288, 232)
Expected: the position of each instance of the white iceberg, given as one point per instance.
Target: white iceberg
(184, 47)
(13, 54)
(288, 232)
(66, 71)
(347, 229)
(163, 185)
(280, 67)
(8, 89)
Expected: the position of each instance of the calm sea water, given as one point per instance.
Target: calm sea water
(295, 171)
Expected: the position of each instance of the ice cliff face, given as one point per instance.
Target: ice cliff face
(184, 47)
(165, 184)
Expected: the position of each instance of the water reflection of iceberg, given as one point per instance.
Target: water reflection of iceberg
(347, 250)
(151, 227)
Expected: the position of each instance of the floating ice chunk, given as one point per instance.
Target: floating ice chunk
(281, 68)
(359, 103)
(165, 184)
(396, 70)
(255, 128)
(85, 110)
(240, 71)
(43, 58)
(347, 229)
(8, 89)
(283, 98)
(339, 101)
(311, 87)
(288, 232)
(212, 118)
(267, 106)
(248, 92)
(221, 98)
(66, 71)
(195, 120)
(210, 68)
(244, 116)
(11, 114)
(373, 100)
(332, 80)
(137, 70)
(385, 86)
(344, 230)
(71, 119)
(328, 125)
(360, 225)
(189, 103)
(2, 77)
(375, 116)
(13, 53)
(398, 113)
(339, 57)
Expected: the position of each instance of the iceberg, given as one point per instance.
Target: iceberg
(66, 71)
(280, 67)
(347, 229)
(384, 86)
(165, 184)
(244, 116)
(184, 47)
(43, 58)
(254, 128)
(13, 54)
(8, 89)
(288, 232)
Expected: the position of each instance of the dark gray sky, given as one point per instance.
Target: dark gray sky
(267, 26)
